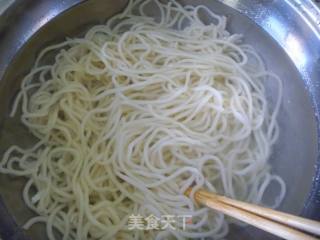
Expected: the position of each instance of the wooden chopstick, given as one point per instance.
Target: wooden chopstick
(278, 223)
(281, 217)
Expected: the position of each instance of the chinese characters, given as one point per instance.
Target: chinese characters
(151, 222)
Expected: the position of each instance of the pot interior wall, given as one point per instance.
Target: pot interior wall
(294, 155)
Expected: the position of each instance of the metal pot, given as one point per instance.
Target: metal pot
(286, 33)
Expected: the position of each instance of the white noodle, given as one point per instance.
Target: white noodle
(137, 111)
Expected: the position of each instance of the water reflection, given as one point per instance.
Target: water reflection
(290, 42)
(295, 50)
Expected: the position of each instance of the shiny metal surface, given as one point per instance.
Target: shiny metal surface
(286, 33)
(295, 26)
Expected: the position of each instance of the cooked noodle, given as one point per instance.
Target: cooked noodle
(135, 112)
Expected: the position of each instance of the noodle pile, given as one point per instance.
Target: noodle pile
(135, 112)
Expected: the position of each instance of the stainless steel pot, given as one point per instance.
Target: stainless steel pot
(285, 32)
